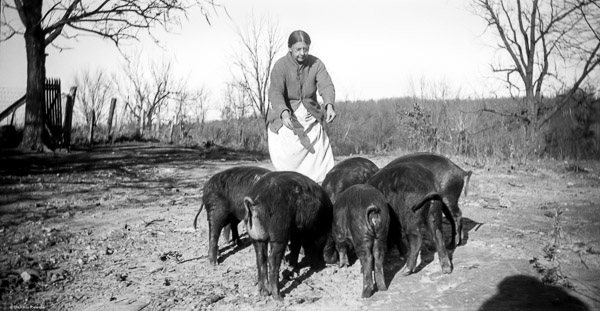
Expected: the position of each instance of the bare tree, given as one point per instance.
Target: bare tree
(235, 103)
(133, 91)
(539, 36)
(148, 90)
(199, 105)
(235, 109)
(190, 108)
(41, 22)
(260, 42)
(429, 89)
(94, 89)
(162, 87)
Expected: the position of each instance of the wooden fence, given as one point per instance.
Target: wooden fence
(57, 132)
(53, 111)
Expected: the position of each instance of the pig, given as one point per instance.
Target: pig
(286, 207)
(411, 191)
(361, 219)
(451, 179)
(346, 173)
(223, 197)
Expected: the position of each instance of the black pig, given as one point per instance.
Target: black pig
(286, 207)
(360, 221)
(346, 173)
(451, 179)
(411, 191)
(223, 197)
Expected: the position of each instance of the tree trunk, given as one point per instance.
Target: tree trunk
(92, 127)
(148, 124)
(36, 74)
(157, 126)
(111, 113)
(533, 137)
(140, 121)
(172, 129)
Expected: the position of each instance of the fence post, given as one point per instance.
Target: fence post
(69, 118)
(111, 113)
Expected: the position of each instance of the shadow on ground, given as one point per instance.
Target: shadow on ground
(468, 226)
(289, 283)
(110, 175)
(231, 248)
(16, 162)
(522, 292)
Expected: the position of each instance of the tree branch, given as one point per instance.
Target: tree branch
(55, 31)
(496, 22)
(591, 63)
(7, 30)
(528, 46)
(505, 114)
(113, 19)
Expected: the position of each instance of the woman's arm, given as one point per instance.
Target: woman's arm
(277, 90)
(326, 90)
(325, 84)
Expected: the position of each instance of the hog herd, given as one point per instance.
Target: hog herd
(358, 207)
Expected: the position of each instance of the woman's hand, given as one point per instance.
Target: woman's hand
(329, 113)
(286, 118)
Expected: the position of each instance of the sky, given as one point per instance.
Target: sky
(372, 49)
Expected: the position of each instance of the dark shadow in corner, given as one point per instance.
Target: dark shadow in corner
(524, 292)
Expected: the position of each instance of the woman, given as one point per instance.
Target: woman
(296, 138)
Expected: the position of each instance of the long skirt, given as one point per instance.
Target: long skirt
(305, 149)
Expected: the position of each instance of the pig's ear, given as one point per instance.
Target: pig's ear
(248, 203)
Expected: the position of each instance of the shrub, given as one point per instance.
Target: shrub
(573, 132)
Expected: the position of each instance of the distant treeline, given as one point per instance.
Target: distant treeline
(480, 128)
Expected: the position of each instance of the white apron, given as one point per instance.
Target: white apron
(305, 150)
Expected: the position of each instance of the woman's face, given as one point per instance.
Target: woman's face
(299, 51)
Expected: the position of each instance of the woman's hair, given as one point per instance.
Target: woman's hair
(298, 36)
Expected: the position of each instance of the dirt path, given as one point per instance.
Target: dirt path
(112, 230)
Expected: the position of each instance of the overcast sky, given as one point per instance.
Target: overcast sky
(372, 49)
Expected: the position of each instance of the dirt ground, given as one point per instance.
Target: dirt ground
(111, 229)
